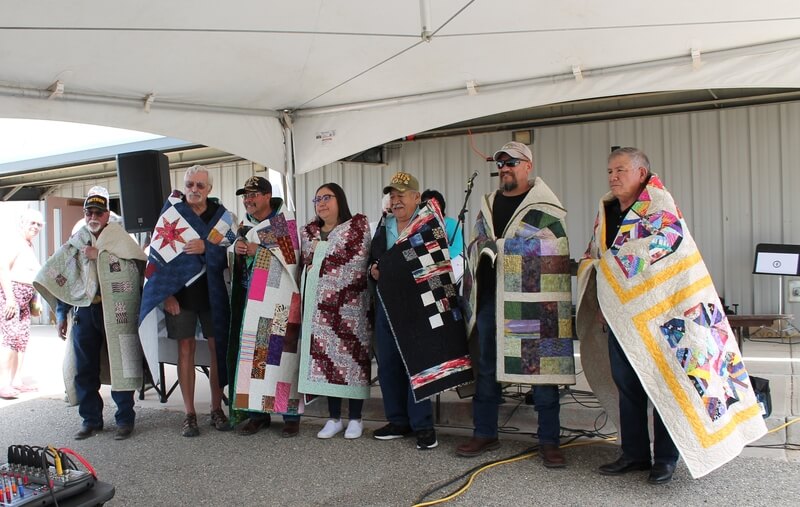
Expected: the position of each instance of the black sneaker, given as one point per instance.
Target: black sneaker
(426, 439)
(391, 431)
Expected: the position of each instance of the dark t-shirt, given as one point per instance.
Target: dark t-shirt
(614, 216)
(503, 209)
(195, 296)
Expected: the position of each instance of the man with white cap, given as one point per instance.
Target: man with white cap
(98, 274)
(518, 290)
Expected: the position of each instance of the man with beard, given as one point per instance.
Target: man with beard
(98, 273)
(519, 276)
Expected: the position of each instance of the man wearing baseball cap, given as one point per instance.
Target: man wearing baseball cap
(404, 416)
(102, 291)
(526, 286)
(261, 209)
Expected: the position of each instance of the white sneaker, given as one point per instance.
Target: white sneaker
(330, 429)
(354, 429)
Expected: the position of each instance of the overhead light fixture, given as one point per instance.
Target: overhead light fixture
(523, 136)
(56, 90)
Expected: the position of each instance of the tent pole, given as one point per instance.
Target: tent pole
(288, 159)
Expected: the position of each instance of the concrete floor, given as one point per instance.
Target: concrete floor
(156, 464)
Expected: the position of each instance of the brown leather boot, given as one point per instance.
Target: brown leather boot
(477, 446)
(552, 457)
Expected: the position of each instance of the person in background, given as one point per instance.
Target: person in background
(454, 237)
(18, 266)
(335, 348)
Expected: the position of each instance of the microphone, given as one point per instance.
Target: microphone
(470, 181)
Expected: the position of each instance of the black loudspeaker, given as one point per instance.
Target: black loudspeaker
(144, 185)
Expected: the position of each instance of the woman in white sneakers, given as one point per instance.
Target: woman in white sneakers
(335, 346)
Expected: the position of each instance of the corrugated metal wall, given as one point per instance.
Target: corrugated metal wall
(732, 172)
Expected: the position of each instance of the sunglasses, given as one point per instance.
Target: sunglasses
(199, 185)
(251, 195)
(512, 162)
(322, 198)
(96, 212)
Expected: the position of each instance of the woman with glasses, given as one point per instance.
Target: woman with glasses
(335, 346)
(18, 267)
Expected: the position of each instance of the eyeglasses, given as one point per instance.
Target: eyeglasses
(511, 162)
(38, 224)
(199, 185)
(96, 212)
(322, 198)
(251, 195)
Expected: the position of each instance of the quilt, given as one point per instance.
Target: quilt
(417, 291)
(656, 294)
(335, 347)
(533, 299)
(169, 269)
(267, 367)
(116, 274)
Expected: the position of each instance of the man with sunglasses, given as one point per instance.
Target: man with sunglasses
(518, 290)
(97, 275)
(186, 279)
(264, 219)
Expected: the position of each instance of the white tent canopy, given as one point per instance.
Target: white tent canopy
(331, 78)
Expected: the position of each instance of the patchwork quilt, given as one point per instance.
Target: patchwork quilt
(335, 349)
(169, 269)
(417, 291)
(116, 274)
(534, 293)
(657, 296)
(269, 359)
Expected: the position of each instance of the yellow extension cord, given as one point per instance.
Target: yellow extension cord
(472, 477)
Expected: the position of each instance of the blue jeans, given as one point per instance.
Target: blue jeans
(633, 413)
(88, 337)
(488, 392)
(398, 401)
(335, 408)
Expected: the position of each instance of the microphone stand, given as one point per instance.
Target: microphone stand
(463, 213)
